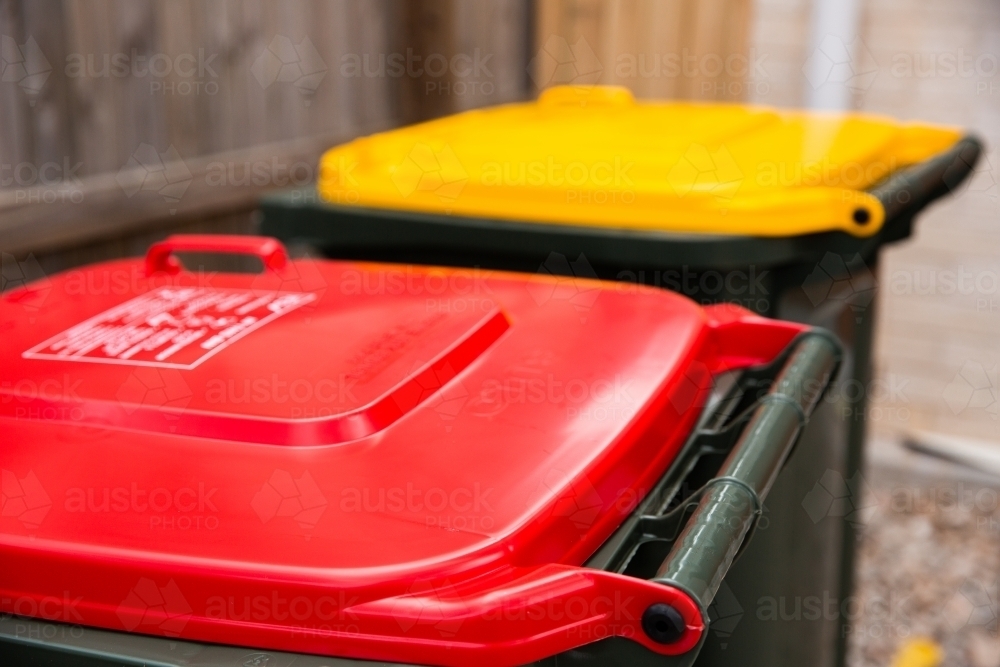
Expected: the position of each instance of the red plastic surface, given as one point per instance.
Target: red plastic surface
(388, 462)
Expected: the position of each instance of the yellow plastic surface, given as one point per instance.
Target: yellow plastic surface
(919, 652)
(596, 156)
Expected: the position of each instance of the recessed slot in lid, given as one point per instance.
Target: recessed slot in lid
(270, 367)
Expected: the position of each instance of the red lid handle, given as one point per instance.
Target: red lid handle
(160, 256)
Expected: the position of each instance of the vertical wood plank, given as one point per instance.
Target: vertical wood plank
(52, 137)
(93, 105)
(491, 35)
(16, 129)
(429, 30)
(668, 48)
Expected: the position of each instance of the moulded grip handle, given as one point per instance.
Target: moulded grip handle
(705, 549)
(569, 95)
(160, 258)
(908, 191)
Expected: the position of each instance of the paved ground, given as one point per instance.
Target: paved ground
(929, 561)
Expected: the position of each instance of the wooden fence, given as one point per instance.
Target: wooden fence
(130, 117)
(103, 100)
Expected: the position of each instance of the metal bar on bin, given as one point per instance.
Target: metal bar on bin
(707, 546)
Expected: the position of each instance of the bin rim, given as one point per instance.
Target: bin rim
(300, 215)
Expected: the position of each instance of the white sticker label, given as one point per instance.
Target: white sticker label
(171, 327)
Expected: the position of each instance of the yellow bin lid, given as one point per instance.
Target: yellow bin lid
(595, 156)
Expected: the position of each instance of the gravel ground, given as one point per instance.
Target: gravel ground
(929, 561)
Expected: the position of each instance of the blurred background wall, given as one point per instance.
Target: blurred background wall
(937, 342)
(122, 121)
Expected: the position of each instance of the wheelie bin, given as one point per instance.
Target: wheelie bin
(782, 212)
(217, 468)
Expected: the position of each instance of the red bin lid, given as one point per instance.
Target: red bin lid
(363, 460)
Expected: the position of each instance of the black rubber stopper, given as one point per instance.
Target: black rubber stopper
(663, 624)
(862, 216)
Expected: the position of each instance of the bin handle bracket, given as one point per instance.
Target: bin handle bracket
(161, 259)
